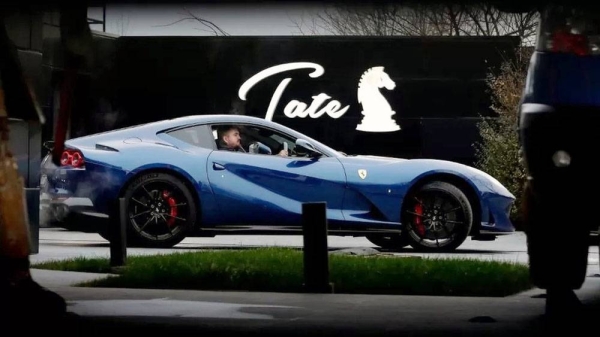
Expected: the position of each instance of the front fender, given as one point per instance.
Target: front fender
(495, 201)
(387, 181)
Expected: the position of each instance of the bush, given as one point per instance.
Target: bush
(497, 152)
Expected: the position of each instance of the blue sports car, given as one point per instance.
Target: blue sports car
(177, 182)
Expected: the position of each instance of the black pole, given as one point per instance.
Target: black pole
(316, 255)
(117, 234)
(32, 197)
(104, 18)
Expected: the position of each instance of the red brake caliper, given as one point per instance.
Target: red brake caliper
(171, 201)
(419, 219)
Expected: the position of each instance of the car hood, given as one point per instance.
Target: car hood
(372, 159)
(390, 168)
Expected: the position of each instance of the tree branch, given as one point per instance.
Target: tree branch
(422, 20)
(191, 16)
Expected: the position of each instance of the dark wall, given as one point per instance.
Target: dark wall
(439, 96)
(24, 28)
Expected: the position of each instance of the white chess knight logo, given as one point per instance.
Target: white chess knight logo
(377, 111)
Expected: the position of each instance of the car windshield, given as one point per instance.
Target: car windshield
(327, 150)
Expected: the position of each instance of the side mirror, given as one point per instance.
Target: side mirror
(48, 145)
(305, 146)
(259, 148)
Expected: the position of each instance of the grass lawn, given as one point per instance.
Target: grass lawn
(281, 270)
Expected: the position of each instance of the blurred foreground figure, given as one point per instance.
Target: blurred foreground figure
(21, 298)
(20, 295)
(558, 134)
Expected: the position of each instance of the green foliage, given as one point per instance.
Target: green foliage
(498, 150)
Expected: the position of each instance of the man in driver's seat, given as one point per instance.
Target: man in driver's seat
(230, 140)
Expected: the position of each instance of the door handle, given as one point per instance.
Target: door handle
(217, 166)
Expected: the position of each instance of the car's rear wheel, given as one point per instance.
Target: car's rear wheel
(160, 209)
(392, 241)
(437, 217)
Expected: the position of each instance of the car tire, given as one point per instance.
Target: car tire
(161, 211)
(453, 217)
(391, 242)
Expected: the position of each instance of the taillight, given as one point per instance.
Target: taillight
(72, 158)
(566, 42)
(569, 30)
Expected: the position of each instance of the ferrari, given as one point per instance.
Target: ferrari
(176, 182)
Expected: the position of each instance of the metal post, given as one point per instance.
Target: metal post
(104, 18)
(117, 235)
(32, 197)
(316, 255)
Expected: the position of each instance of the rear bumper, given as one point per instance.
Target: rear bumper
(74, 213)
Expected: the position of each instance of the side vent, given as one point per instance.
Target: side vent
(105, 148)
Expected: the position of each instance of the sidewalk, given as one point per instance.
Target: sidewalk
(180, 312)
(102, 312)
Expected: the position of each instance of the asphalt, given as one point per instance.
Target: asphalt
(100, 311)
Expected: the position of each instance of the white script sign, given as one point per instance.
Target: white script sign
(377, 111)
(295, 108)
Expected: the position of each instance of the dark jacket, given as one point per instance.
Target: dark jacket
(222, 146)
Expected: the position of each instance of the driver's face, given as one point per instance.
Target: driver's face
(232, 138)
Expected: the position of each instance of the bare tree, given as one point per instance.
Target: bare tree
(422, 20)
(208, 25)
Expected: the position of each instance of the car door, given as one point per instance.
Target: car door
(268, 190)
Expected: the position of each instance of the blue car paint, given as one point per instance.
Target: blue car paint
(267, 190)
(127, 163)
(388, 180)
(270, 190)
(563, 79)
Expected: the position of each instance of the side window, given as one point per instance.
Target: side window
(198, 135)
(250, 135)
(280, 139)
(218, 131)
(269, 138)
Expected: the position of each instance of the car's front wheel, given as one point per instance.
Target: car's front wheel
(160, 210)
(437, 217)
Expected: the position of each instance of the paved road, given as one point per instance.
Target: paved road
(57, 243)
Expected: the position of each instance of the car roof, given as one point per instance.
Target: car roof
(213, 118)
(167, 125)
